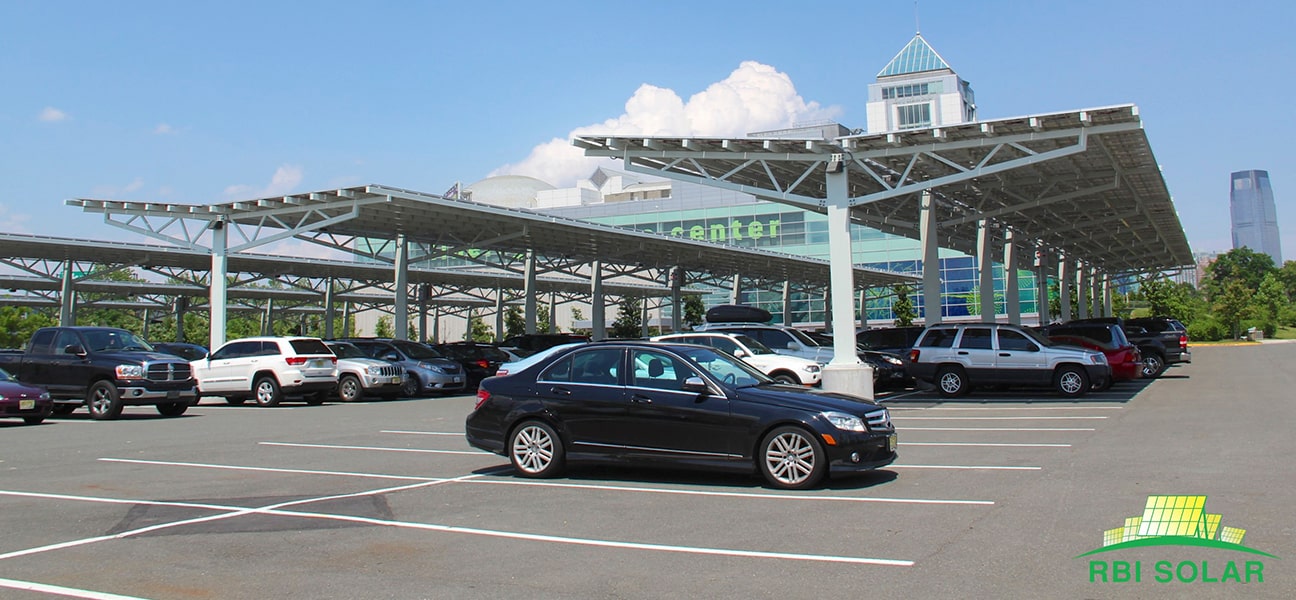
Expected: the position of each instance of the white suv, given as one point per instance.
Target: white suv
(780, 367)
(267, 369)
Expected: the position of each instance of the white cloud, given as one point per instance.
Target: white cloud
(52, 115)
(283, 181)
(111, 191)
(164, 129)
(754, 97)
(11, 222)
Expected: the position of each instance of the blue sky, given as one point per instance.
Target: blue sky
(211, 102)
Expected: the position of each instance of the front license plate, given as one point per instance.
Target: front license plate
(395, 379)
(26, 404)
(458, 379)
(891, 443)
(173, 394)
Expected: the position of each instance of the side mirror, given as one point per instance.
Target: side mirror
(391, 356)
(695, 384)
(792, 346)
(740, 353)
(75, 349)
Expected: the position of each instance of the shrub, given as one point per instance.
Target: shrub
(1207, 330)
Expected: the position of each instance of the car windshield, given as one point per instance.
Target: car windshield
(521, 365)
(753, 344)
(802, 337)
(724, 367)
(108, 340)
(417, 351)
(347, 351)
(1039, 338)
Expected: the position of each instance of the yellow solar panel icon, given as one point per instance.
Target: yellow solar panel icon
(1173, 515)
(1232, 535)
(1113, 536)
(1212, 525)
(1131, 528)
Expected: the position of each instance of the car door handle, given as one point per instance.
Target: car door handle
(1004, 354)
(962, 352)
(640, 399)
(560, 391)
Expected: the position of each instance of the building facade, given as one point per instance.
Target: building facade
(1255, 217)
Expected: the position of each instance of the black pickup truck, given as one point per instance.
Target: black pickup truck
(1169, 334)
(103, 368)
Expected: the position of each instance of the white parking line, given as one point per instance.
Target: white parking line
(551, 484)
(998, 429)
(449, 433)
(29, 586)
(377, 448)
(276, 510)
(989, 445)
(1073, 418)
(964, 467)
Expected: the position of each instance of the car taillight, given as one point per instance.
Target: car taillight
(501, 372)
(482, 397)
(296, 361)
(1183, 341)
(913, 355)
(483, 363)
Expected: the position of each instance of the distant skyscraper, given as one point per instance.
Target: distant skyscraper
(918, 89)
(1255, 218)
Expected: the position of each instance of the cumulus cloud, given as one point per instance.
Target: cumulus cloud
(283, 181)
(754, 97)
(113, 191)
(52, 115)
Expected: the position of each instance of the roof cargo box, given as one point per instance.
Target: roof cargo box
(737, 313)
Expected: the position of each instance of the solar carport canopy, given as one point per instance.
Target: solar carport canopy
(379, 212)
(1084, 183)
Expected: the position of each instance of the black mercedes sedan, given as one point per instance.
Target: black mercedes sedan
(681, 404)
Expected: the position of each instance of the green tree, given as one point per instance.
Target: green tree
(972, 299)
(1166, 298)
(903, 307)
(576, 315)
(1269, 302)
(1231, 306)
(384, 328)
(1241, 264)
(17, 323)
(543, 319)
(629, 322)
(514, 322)
(694, 311)
(479, 331)
(1287, 277)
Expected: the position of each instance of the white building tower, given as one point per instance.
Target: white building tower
(918, 89)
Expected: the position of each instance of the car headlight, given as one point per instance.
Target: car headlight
(45, 396)
(893, 360)
(1098, 359)
(844, 421)
(812, 368)
(373, 370)
(130, 372)
(432, 367)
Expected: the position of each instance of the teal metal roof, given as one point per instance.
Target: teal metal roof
(916, 57)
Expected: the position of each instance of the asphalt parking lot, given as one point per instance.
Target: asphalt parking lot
(995, 495)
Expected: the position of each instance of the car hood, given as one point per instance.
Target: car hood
(141, 356)
(361, 363)
(798, 397)
(13, 389)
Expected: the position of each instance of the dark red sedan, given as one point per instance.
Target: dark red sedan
(19, 400)
(1125, 360)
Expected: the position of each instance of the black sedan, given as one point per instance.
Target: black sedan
(688, 405)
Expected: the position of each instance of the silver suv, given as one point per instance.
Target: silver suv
(958, 357)
(779, 338)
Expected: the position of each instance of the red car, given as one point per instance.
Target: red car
(1126, 361)
(30, 403)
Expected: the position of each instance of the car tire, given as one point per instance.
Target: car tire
(172, 409)
(65, 409)
(235, 400)
(952, 382)
(103, 402)
(411, 387)
(536, 450)
(791, 458)
(349, 389)
(36, 420)
(785, 378)
(1071, 381)
(1153, 365)
(1104, 385)
(267, 392)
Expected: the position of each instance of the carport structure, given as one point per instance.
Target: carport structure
(1077, 194)
(397, 227)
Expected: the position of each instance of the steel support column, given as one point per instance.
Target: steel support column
(1107, 295)
(931, 259)
(677, 301)
(1064, 279)
(218, 293)
(329, 311)
(1042, 288)
(735, 292)
(845, 373)
(553, 312)
(1012, 283)
(985, 272)
(67, 300)
(1082, 290)
(598, 318)
(402, 293)
(787, 303)
(499, 314)
(529, 292)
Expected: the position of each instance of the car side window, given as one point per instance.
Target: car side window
(233, 350)
(65, 338)
(599, 366)
(1013, 341)
(40, 343)
(976, 338)
(725, 344)
(938, 338)
(658, 370)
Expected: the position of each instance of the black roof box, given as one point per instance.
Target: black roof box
(737, 313)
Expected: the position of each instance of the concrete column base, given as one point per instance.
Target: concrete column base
(856, 380)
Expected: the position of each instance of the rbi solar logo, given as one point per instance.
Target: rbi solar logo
(1182, 522)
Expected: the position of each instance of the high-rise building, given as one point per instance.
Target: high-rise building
(1255, 218)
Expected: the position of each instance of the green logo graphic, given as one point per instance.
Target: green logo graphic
(1175, 521)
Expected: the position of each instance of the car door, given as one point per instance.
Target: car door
(1020, 359)
(975, 350)
(585, 392)
(68, 373)
(664, 419)
(223, 370)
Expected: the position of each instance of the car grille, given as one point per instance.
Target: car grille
(391, 371)
(879, 420)
(177, 371)
(452, 369)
